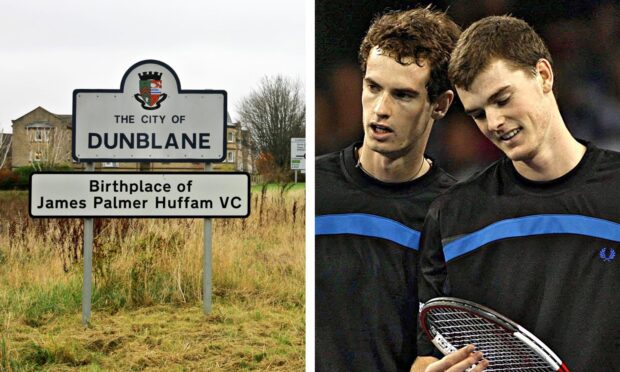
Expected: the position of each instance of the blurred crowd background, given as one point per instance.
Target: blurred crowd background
(582, 36)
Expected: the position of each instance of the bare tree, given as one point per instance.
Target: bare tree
(275, 113)
(51, 149)
(5, 147)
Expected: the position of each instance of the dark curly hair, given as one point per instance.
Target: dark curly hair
(495, 37)
(421, 34)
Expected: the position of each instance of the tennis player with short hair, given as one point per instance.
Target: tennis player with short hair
(371, 197)
(534, 236)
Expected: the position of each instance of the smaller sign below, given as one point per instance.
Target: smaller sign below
(134, 194)
(298, 153)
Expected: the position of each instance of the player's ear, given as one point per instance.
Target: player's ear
(544, 70)
(442, 104)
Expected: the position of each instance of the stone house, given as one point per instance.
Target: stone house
(45, 138)
(41, 137)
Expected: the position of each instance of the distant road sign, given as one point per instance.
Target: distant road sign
(149, 119)
(133, 194)
(298, 153)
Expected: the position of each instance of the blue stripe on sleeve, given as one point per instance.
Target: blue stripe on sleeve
(367, 225)
(533, 225)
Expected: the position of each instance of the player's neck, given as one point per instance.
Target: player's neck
(392, 170)
(560, 154)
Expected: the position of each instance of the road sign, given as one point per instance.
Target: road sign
(298, 153)
(133, 194)
(149, 119)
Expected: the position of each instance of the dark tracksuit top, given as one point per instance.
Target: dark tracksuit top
(367, 238)
(544, 254)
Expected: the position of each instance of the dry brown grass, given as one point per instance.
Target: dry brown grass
(232, 337)
(147, 310)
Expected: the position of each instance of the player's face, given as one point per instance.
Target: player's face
(511, 108)
(397, 112)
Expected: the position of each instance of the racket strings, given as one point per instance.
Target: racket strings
(501, 348)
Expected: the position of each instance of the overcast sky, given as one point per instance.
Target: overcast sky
(50, 48)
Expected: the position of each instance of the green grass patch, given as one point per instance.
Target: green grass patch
(37, 355)
(6, 362)
(11, 195)
(278, 186)
(43, 303)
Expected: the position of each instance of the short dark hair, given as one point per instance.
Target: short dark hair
(420, 33)
(495, 37)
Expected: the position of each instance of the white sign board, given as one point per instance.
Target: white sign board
(298, 153)
(149, 119)
(133, 194)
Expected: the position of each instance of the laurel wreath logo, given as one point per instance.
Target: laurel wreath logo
(607, 257)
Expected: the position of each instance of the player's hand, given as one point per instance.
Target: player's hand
(459, 361)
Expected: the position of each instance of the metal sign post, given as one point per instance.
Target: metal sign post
(87, 281)
(207, 283)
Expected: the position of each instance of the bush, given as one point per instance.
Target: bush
(21, 178)
(8, 179)
(265, 165)
(269, 170)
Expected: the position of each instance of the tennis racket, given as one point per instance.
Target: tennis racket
(452, 323)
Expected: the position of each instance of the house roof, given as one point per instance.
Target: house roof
(61, 117)
(229, 122)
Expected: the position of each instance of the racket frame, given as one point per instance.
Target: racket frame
(491, 315)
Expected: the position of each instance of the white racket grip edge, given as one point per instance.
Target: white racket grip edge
(442, 344)
(445, 347)
(537, 349)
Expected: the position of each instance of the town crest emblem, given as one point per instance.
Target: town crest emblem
(150, 95)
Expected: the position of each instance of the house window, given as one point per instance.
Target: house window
(231, 137)
(230, 158)
(40, 135)
(39, 132)
(35, 156)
